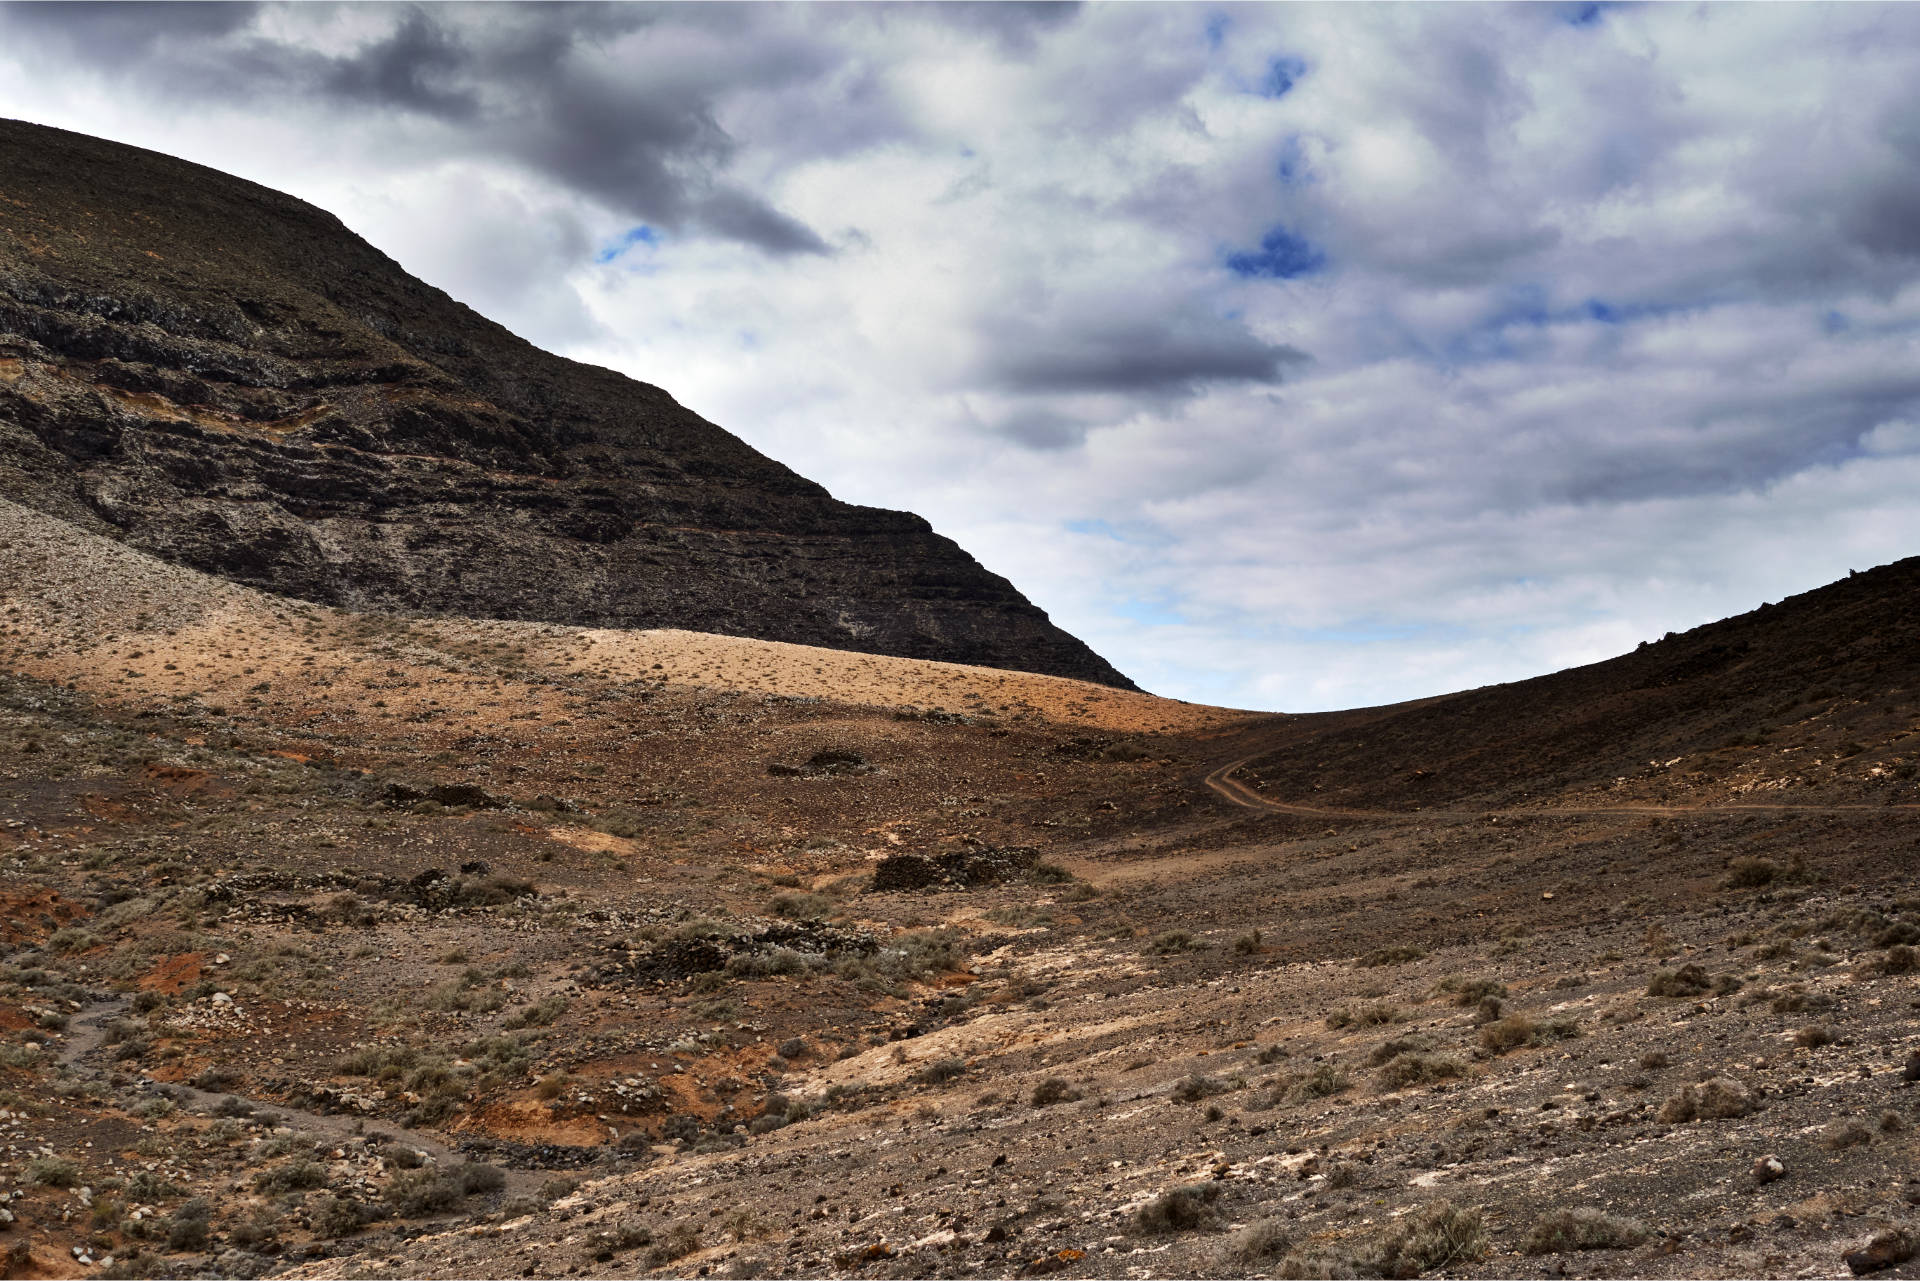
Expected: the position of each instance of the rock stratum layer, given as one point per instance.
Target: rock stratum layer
(226, 377)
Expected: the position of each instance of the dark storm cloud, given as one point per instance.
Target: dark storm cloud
(417, 68)
(1139, 354)
(115, 34)
(1014, 24)
(1042, 429)
(526, 82)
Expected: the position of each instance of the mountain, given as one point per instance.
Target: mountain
(226, 377)
(1810, 695)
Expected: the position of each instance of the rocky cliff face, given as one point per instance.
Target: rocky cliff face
(226, 377)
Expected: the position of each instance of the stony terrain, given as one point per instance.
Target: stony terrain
(597, 852)
(227, 378)
(340, 943)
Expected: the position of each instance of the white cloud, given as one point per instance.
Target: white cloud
(1568, 335)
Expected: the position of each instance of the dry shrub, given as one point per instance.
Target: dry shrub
(1720, 1098)
(1851, 1133)
(1509, 1033)
(337, 1216)
(1751, 873)
(1258, 1242)
(1795, 999)
(1586, 1228)
(1470, 992)
(1435, 1235)
(1192, 1089)
(1813, 1036)
(681, 1240)
(1323, 1081)
(1420, 1069)
(1366, 1015)
(1688, 980)
(294, 1176)
(1387, 1051)
(1053, 1090)
(1895, 960)
(942, 1070)
(1178, 1209)
(1400, 955)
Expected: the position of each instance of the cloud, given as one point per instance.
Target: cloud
(1146, 353)
(115, 33)
(543, 86)
(1293, 356)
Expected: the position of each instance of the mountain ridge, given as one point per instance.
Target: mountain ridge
(1726, 704)
(224, 376)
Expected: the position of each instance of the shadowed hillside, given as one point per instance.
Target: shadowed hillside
(1790, 701)
(227, 378)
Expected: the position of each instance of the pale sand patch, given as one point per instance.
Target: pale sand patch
(82, 609)
(585, 838)
(845, 676)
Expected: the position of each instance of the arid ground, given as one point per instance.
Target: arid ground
(348, 945)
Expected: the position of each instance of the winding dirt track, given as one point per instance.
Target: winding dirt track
(1232, 790)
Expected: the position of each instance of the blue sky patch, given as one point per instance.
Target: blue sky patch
(1283, 73)
(641, 235)
(1133, 534)
(1282, 256)
(1291, 168)
(1149, 613)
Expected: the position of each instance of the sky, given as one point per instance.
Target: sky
(1294, 357)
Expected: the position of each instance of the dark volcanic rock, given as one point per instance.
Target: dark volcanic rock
(1883, 1250)
(443, 794)
(227, 378)
(830, 763)
(978, 866)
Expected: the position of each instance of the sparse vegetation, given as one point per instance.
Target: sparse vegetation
(1688, 980)
(1194, 1088)
(53, 1172)
(1582, 1228)
(1372, 1015)
(1751, 873)
(1179, 1209)
(1053, 1090)
(1719, 1098)
(1260, 1242)
(1397, 955)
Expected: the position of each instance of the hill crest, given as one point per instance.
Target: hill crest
(224, 376)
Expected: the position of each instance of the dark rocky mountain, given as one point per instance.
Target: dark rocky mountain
(1786, 700)
(226, 377)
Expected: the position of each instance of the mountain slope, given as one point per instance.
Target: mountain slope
(226, 377)
(1813, 696)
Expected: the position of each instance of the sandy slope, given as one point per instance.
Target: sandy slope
(108, 618)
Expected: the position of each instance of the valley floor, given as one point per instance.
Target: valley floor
(339, 945)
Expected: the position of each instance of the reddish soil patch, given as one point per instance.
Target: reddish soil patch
(185, 784)
(31, 915)
(174, 973)
(101, 807)
(529, 1120)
